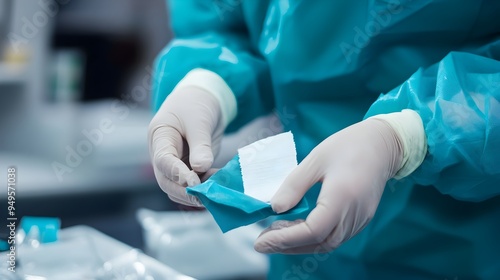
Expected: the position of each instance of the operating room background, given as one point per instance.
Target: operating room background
(74, 94)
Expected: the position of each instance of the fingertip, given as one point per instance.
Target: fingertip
(201, 166)
(172, 168)
(195, 201)
(261, 245)
(284, 200)
(279, 206)
(192, 179)
(201, 159)
(274, 238)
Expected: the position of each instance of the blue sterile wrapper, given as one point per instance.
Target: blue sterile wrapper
(222, 195)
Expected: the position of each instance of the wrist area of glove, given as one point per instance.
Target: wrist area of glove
(409, 127)
(213, 84)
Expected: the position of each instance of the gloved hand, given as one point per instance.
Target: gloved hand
(353, 166)
(184, 136)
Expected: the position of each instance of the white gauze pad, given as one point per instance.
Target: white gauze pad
(265, 165)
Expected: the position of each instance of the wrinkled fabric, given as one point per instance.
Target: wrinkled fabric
(222, 195)
(462, 117)
(323, 65)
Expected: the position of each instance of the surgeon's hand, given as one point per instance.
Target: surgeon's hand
(184, 136)
(353, 166)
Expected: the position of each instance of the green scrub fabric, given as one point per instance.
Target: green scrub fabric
(324, 65)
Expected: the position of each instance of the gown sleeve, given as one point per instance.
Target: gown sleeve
(212, 35)
(458, 99)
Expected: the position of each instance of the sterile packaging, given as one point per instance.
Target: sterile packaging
(192, 243)
(240, 192)
(84, 253)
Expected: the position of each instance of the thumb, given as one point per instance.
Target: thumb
(296, 184)
(200, 149)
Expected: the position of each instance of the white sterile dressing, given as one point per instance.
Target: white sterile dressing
(265, 165)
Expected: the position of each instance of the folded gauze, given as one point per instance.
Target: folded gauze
(239, 193)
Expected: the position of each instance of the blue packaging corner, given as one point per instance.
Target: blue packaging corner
(48, 228)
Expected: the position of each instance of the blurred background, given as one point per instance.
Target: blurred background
(75, 81)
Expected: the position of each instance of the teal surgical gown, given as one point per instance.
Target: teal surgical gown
(324, 65)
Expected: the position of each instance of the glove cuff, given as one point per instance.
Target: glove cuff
(216, 86)
(409, 127)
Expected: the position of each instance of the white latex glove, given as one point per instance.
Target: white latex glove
(184, 136)
(353, 166)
